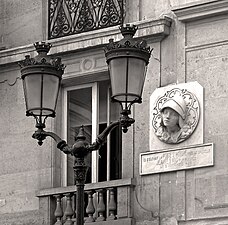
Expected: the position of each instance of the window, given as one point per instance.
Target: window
(89, 105)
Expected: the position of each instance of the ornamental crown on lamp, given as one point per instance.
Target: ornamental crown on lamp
(128, 31)
(42, 58)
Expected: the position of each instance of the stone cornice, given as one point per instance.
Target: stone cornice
(200, 10)
(152, 30)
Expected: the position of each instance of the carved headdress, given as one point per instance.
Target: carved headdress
(177, 103)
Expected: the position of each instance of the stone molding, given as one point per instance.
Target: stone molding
(152, 30)
(91, 186)
(200, 10)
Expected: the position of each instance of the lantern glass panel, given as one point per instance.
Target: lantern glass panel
(50, 93)
(127, 78)
(117, 69)
(32, 86)
(136, 77)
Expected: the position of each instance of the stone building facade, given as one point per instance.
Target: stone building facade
(190, 44)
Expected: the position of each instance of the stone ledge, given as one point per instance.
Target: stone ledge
(152, 30)
(124, 221)
(213, 220)
(200, 10)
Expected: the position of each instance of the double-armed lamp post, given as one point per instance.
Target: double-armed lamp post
(127, 62)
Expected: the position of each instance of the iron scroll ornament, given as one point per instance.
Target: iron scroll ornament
(188, 124)
(68, 17)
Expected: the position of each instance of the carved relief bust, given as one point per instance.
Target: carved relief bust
(175, 116)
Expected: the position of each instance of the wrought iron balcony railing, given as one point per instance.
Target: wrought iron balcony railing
(67, 17)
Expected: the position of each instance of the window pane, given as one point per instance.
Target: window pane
(109, 113)
(103, 96)
(115, 144)
(79, 113)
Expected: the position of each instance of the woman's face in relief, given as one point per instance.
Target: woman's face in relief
(170, 117)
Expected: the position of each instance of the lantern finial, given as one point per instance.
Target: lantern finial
(42, 46)
(128, 30)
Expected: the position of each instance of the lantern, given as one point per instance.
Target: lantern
(41, 81)
(127, 62)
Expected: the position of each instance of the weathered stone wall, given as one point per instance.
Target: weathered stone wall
(207, 62)
(20, 22)
(195, 50)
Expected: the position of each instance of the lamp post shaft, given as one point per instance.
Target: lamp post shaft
(80, 170)
(80, 205)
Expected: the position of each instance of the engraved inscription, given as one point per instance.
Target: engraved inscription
(176, 159)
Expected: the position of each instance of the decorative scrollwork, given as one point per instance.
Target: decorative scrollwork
(110, 14)
(85, 20)
(80, 170)
(69, 17)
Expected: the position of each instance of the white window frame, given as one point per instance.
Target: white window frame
(95, 129)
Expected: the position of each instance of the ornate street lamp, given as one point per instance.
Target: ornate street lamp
(41, 78)
(127, 61)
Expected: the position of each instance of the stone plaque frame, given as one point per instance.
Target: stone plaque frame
(176, 159)
(159, 96)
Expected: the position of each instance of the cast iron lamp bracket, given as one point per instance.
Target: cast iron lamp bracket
(81, 145)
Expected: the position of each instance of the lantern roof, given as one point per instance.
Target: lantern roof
(43, 59)
(131, 46)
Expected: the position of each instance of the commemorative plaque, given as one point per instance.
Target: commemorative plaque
(176, 159)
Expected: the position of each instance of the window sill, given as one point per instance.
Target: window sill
(153, 30)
